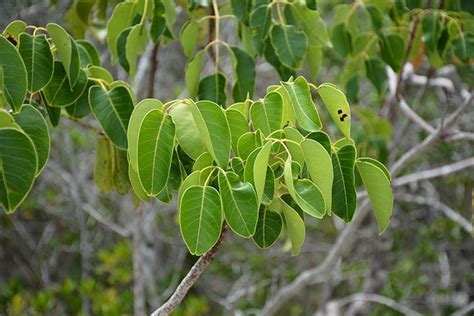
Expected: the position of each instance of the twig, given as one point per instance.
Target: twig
(153, 67)
(376, 298)
(191, 278)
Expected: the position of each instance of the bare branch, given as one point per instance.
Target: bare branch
(376, 298)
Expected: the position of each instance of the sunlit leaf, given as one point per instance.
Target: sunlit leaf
(337, 106)
(121, 18)
(238, 125)
(294, 224)
(193, 72)
(267, 116)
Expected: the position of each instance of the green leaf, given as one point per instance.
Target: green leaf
(193, 179)
(269, 227)
(121, 48)
(319, 165)
(189, 37)
(78, 16)
(271, 57)
(378, 188)
(67, 50)
(174, 180)
(431, 27)
(305, 193)
(293, 145)
(193, 72)
(295, 228)
(313, 25)
(212, 88)
(136, 185)
(36, 55)
(104, 165)
(238, 125)
(238, 166)
(337, 106)
(343, 190)
(112, 110)
(289, 116)
(375, 70)
(314, 59)
(92, 53)
(376, 16)
(212, 124)
(120, 172)
(7, 120)
(122, 17)
(18, 163)
(203, 161)
(136, 44)
(155, 150)
(158, 21)
(464, 47)
(200, 218)
(34, 125)
(54, 113)
(14, 75)
(58, 92)
(256, 169)
(300, 98)
(267, 116)
(322, 138)
(244, 74)
(187, 132)
(260, 22)
(247, 143)
(392, 48)
(239, 202)
(342, 40)
(290, 45)
(14, 29)
(136, 118)
(241, 9)
(269, 189)
(97, 72)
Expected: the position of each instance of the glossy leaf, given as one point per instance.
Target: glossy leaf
(239, 202)
(305, 193)
(155, 150)
(337, 106)
(34, 125)
(59, 92)
(319, 165)
(14, 75)
(212, 124)
(267, 116)
(18, 161)
(212, 88)
(343, 190)
(67, 50)
(112, 110)
(290, 45)
(187, 132)
(36, 55)
(377, 184)
(268, 229)
(200, 218)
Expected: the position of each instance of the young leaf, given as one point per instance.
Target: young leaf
(121, 18)
(337, 106)
(343, 189)
(212, 88)
(104, 165)
(58, 92)
(238, 125)
(319, 165)
(112, 110)
(17, 157)
(239, 202)
(212, 124)
(36, 55)
(187, 132)
(7, 120)
(294, 226)
(256, 169)
(13, 74)
(305, 193)
(268, 229)
(377, 184)
(290, 45)
(155, 151)
(300, 98)
(136, 119)
(67, 50)
(13, 29)
(247, 143)
(200, 218)
(244, 74)
(293, 145)
(136, 44)
(193, 72)
(267, 116)
(34, 125)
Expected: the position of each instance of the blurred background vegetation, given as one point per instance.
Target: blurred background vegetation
(70, 250)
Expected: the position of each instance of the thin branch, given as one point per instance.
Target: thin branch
(449, 212)
(191, 278)
(110, 225)
(376, 298)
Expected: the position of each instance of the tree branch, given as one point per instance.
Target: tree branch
(381, 300)
(191, 278)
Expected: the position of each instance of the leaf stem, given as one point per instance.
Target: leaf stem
(217, 29)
